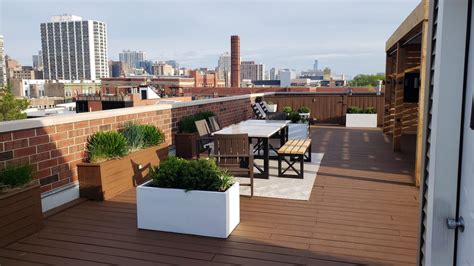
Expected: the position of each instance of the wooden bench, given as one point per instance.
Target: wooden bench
(299, 150)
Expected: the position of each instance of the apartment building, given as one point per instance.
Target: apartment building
(251, 71)
(3, 73)
(132, 58)
(74, 48)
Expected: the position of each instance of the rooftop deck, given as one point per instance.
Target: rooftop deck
(363, 209)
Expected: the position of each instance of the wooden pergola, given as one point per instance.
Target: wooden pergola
(405, 74)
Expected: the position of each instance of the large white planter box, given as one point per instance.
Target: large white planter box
(361, 120)
(204, 213)
(298, 130)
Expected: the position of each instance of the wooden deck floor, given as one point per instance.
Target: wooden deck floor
(363, 210)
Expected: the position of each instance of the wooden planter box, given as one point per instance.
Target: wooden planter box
(186, 145)
(20, 214)
(102, 181)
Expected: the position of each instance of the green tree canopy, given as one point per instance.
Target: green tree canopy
(10, 107)
(369, 80)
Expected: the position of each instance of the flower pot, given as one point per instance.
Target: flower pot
(102, 181)
(20, 214)
(204, 213)
(361, 120)
(272, 107)
(304, 116)
(186, 145)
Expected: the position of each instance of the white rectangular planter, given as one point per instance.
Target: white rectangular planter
(272, 107)
(361, 120)
(204, 213)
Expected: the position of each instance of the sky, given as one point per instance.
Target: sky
(346, 35)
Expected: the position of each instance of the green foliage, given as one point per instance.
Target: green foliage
(134, 135)
(363, 80)
(202, 174)
(303, 109)
(10, 107)
(358, 110)
(294, 117)
(186, 125)
(103, 146)
(15, 176)
(152, 135)
(287, 109)
(270, 102)
(142, 136)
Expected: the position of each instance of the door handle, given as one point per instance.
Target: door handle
(455, 223)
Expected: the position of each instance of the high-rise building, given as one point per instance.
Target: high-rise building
(38, 60)
(286, 75)
(162, 69)
(252, 71)
(173, 63)
(326, 73)
(74, 49)
(3, 68)
(223, 68)
(147, 65)
(132, 58)
(274, 74)
(118, 69)
(235, 60)
(315, 65)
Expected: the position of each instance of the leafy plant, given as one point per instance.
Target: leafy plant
(201, 174)
(103, 146)
(142, 136)
(134, 135)
(287, 109)
(15, 176)
(152, 135)
(358, 110)
(186, 125)
(270, 102)
(294, 117)
(303, 109)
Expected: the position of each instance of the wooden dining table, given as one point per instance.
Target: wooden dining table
(262, 131)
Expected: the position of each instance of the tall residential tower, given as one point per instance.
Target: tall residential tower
(74, 49)
(132, 58)
(3, 69)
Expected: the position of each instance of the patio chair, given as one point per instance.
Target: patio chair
(234, 154)
(262, 107)
(214, 125)
(205, 139)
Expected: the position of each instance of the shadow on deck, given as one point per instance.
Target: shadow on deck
(363, 210)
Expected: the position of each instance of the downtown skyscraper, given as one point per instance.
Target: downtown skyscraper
(132, 58)
(74, 49)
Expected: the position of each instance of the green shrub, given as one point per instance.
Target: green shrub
(103, 146)
(186, 125)
(287, 109)
(294, 117)
(358, 110)
(202, 174)
(303, 109)
(152, 135)
(15, 176)
(142, 136)
(134, 135)
(270, 102)
(370, 110)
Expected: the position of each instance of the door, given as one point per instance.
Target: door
(465, 240)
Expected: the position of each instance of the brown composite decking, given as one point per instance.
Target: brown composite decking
(363, 210)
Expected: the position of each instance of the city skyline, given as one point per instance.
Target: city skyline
(340, 34)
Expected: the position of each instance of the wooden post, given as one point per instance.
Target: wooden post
(387, 124)
(421, 101)
(398, 101)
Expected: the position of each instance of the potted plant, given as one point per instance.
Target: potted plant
(189, 197)
(288, 110)
(361, 117)
(118, 161)
(304, 113)
(20, 204)
(185, 139)
(272, 107)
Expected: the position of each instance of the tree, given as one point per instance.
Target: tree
(11, 108)
(363, 80)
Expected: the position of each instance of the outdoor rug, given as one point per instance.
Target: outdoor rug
(284, 187)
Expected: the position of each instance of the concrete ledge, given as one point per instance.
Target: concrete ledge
(9, 126)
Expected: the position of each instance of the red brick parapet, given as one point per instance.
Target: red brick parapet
(55, 145)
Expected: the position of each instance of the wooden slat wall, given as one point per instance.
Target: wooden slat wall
(330, 108)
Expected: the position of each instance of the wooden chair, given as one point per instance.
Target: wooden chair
(214, 125)
(234, 154)
(205, 139)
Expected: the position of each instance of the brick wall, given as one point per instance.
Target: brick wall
(55, 145)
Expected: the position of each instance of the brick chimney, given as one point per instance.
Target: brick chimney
(234, 61)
